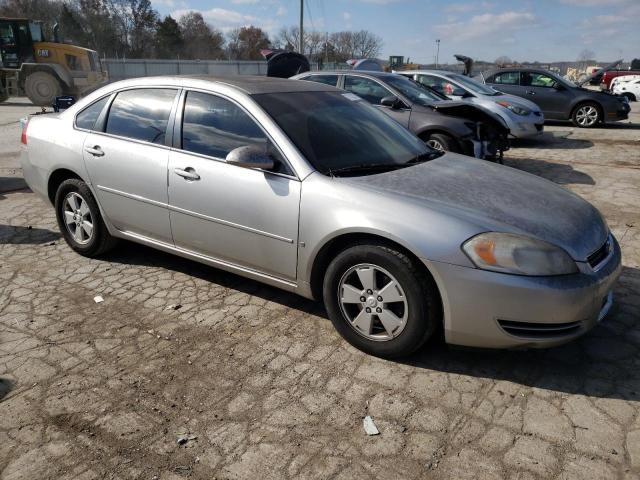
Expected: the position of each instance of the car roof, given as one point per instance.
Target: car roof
(370, 73)
(249, 84)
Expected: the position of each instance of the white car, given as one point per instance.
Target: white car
(628, 85)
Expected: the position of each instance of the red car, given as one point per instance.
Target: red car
(607, 77)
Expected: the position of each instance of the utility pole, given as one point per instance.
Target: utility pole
(437, 51)
(301, 39)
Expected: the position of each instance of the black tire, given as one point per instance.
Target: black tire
(578, 111)
(630, 96)
(42, 88)
(101, 240)
(423, 305)
(442, 141)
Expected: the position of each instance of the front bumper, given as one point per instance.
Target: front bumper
(620, 112)
(495, 310)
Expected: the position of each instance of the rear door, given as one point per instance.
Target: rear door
(373, 92)
(127, 161)
(241, 216)
(507, 81)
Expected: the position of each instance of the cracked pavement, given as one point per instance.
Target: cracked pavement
(256, 383)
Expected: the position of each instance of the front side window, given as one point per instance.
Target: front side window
(87, 118)
(506, 78)
(325, 79)
(214, 126)
(414, 91)
(534, 79)
(365, 88)
(141, 114)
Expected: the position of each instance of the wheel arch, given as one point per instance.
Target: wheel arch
(423, 134)
(56, 177)
(337, 244)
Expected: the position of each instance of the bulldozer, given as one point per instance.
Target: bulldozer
(41, 69)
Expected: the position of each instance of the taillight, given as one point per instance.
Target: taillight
(23, 136)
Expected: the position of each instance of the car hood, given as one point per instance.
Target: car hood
(498, 198)
(468, 111)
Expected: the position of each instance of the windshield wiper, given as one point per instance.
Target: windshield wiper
(365, 167)
(425, 157)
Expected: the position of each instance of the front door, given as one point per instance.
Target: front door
(127, 162)
(245, 217)
(552, 98)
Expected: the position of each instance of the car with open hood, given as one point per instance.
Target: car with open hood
(458, 127)
(523, 117)
(309, 188)
(559, 98)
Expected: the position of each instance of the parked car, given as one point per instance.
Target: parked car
(308, 188)
(560, 99)
(522, 116)
(441, 123)
(628, 86)
(607, 77)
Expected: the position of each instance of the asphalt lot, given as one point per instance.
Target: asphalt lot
(259, 385)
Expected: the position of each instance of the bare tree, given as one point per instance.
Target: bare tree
(585, 57)
(366, 44)
(245, 43)
(503, 61)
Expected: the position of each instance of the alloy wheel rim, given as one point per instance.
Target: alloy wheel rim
(587, 115)
(435, 144)
(373, 302)
(77, 218)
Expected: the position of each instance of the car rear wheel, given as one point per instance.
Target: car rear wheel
(380, 301)
(586, 115)
(42, 88)
(79, 219)
(442, 142)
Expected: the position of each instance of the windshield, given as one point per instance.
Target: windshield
(339, 131)
(412, 90)
(473, 85)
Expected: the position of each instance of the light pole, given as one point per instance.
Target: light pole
(437, 51)
(301, 39)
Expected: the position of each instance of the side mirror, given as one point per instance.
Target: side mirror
(250, 156)
(391, 101)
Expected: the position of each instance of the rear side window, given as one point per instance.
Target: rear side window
(506, 78)
(141, 114)
(87, 118)
(325, 79)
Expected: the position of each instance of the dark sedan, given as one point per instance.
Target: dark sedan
(558, 98)
(441, 123)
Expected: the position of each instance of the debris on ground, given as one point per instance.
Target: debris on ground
(370, 427)
(98, 299)
(184, 439)
(173, 306)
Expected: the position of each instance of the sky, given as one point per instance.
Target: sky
(523, 30)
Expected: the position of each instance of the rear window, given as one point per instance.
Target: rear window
(87, 118)
(325, 79)
(141, 114)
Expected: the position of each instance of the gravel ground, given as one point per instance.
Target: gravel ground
(185, 371)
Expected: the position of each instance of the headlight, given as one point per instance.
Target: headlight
(517, 254)
(514, 108)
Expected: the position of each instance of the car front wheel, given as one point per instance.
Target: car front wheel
(380, 301)
(442, 142)
(586, 115)
(79, 219)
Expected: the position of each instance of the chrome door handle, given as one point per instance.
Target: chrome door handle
(96, 151)
(187, 173)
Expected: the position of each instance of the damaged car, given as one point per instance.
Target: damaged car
(443, 124)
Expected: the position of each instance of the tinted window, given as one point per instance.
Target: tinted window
(214, 126)
(534, 79)
(87, 118)
(506, 78)
(142, 114)
(336, 130)
(326, 79)
(414, 91)
(366, 88)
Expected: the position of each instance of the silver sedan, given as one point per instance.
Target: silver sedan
(308, 188)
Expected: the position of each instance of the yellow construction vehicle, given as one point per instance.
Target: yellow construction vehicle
(43, 70)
